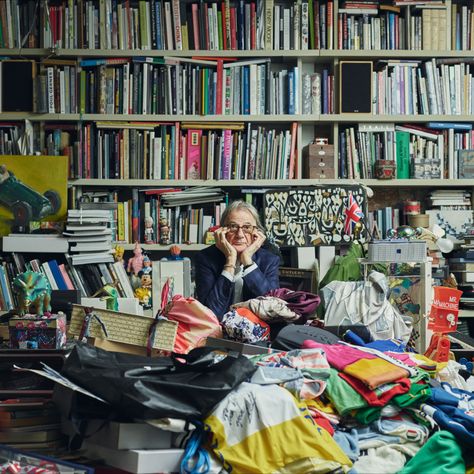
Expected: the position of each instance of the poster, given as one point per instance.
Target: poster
(314, 216)
(32, 188)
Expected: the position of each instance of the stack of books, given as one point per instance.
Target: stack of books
(89, 236)
(461, 264)
(30, 424)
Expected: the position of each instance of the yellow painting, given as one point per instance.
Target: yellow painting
(32, 188)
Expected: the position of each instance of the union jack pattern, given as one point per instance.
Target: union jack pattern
(353, 214)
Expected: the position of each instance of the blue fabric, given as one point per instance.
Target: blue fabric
(387, 345)
(217, 292)
(440, 396)
(348, 442)
(458, 422)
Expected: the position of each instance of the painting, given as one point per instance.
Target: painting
(466, 164)
(32, 188)
(324, 215)
(454, 222)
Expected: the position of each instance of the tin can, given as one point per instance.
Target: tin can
(411, 208)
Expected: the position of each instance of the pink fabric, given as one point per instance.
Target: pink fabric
(196, 322)
(338, 355)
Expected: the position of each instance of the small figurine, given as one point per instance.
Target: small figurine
(33, 289)
(111, 296)
(149, 230)
(146, 264)
(118, 253)
(165, 232)
(144, 291)
(135, 264)
(175, 252)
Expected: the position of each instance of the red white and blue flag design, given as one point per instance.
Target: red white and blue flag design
(353, 214)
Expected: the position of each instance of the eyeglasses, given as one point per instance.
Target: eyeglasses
(247, 228)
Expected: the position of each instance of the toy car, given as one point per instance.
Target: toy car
(24, 202)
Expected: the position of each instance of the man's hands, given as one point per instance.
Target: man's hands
(258, 237)
(224, 245)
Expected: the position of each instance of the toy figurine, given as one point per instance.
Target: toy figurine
(135, 264)
(111, 296)
(149, 230)
(118, 253)
(146, 264)
(144, 291)
(165, 232)
(33, 289)
(175, 252)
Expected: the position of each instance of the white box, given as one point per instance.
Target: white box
(116, 435)
(138, 461)
(397, 250)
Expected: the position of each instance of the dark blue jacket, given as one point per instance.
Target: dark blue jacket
(217, 292)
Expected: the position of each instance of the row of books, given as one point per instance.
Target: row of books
(168, 25)
(367, 26)
(230, 25)
(381, 220)
(438, 150)
(88, 278)
(248, 87)
(167, 86)
(429, 87)
(189, 213)
(165, 151)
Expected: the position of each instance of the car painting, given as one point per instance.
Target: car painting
(32, 188)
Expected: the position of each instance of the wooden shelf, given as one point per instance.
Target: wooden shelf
(466, 313)
(268, 183)
(328, 54)
(164, 248)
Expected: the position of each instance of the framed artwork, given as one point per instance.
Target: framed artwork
(324, 215)
(454, 222)
(466, 164)
(32, 188)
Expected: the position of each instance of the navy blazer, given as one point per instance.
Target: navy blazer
(217, 292)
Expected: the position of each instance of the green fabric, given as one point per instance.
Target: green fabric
(440, 455)
(417, 394)
(365, 416)
(342, 395)
(346, 268)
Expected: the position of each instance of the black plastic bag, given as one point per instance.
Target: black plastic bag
(181, 386)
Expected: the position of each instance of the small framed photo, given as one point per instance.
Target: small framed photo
(466, 164)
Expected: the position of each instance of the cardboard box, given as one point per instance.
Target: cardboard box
(121, 347)
(30, 332)
(138, 461)
(320, 162)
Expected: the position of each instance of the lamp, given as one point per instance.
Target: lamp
(435, 236)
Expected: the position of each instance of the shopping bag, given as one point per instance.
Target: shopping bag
(180, 386)
(196, 322)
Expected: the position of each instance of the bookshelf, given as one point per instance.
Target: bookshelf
(322, 36)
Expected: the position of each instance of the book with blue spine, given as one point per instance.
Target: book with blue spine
(448, 125)
(57, 275)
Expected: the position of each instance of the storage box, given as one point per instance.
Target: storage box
(117, 435)
(320, 162)
(397, 250)
(139, 461)
(31, 332)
